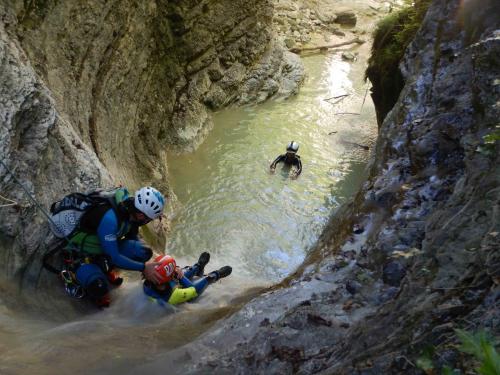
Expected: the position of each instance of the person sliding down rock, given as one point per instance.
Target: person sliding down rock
(290, 158)
(178, 286)
(106, 237)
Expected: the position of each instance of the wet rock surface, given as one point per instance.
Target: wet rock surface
(427, 260)
(307, 22)
(39, 146)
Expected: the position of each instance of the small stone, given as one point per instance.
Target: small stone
(318, 320)
(356, 229)
(393, 273)
(387, 294)
(352, 286)
(265, 322)
(289, 42)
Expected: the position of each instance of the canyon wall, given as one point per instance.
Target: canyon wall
(416, 253)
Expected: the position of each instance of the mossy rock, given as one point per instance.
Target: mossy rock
(391, 37)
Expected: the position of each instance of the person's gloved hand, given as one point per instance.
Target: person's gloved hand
(150, 272)
(179, 273)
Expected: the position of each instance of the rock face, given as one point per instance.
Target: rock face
(428, 259)
(93, 93)
(42, 149)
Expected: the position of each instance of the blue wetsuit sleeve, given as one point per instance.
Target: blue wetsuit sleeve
(107, 233)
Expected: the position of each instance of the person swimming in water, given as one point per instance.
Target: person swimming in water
(289, 158)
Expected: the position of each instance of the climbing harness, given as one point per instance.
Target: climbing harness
(71, 286)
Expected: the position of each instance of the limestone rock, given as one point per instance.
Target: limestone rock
(349, 56)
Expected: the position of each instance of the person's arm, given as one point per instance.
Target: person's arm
(276, 161)
(106, 232)
(299, 167)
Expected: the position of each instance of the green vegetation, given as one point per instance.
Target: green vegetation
(35, 11)
(479, 345)
(493, 136)
(490, 142)
(482, 348)
(390, 39)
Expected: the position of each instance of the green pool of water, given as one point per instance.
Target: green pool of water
(264, 224)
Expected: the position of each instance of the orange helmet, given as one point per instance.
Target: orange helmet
(166, 269)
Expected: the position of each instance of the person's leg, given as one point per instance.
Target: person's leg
(219, 274)
(190, 271)
(135, 250)
(190, 290)
(198, 268)
(202, 262)
(92, 279)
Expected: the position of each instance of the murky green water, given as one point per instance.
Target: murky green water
(263, 224)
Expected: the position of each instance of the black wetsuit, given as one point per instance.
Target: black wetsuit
(295, 161)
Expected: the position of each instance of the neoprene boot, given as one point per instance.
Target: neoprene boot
(202, 262)
(219, 274)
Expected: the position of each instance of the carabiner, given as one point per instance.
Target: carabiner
(66, 276)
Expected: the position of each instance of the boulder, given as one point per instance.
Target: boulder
(347, 18)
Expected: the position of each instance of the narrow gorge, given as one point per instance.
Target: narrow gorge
(360, 266)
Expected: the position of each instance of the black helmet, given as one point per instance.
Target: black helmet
(292, 147)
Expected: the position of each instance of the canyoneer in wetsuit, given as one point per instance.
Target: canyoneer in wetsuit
(178, 286)
(289, 158)
(107, 237)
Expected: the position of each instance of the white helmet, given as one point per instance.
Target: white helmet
(149, 201)
(292, 147)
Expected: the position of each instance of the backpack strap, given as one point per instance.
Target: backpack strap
(59, 245)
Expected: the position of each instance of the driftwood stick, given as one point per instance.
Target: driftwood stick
(336, 97)
(299, 50)
(346, 113)
(364, 98)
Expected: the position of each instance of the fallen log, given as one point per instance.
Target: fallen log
(325, 48)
